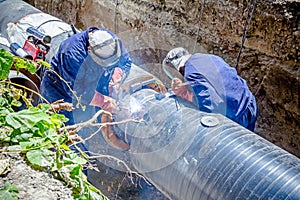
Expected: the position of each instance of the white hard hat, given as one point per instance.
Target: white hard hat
(177, 57)
(105, 48)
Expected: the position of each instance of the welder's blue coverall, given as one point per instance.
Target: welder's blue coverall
(219, 89)
(71, 57)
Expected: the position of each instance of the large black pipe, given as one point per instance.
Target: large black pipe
(188, 154)
(12, 11)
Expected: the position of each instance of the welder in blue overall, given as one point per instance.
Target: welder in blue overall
(213, 85)
(105, 50)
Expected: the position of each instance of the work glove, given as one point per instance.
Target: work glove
(105, 102)
(182, 89)
(115, 81)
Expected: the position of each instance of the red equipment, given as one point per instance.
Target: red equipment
(36, 48)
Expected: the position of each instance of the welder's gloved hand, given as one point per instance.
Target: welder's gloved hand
(105, 102)
(181, 89)
(115, 81)
(117, 76)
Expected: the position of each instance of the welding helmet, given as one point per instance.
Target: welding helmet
(105, 49)
(177, 57)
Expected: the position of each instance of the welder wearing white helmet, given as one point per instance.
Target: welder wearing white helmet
(106, 50)
(213, 86)
(99, 45)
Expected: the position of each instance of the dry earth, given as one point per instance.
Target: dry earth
(31, 183)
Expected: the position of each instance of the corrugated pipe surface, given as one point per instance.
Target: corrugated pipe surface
(188, 154)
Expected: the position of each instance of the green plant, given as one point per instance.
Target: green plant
(34, 132)
(9, 192)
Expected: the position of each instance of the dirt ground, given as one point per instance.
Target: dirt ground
(31, 184)
(41, 185)
(119, 185)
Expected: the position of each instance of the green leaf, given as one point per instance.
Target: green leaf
(75, 158)
(5, 133)
(84, 197)
(9, 192)
(25, 64)
(95, 196)
(65, 147)
(14, 148)
(44, 63)
(14, 122)
(26, 145)
(16, 103)
(44, 107)
(22, 137)
(58, 119)
(79, 160)
(40, 157)
(41, 143)
(25, 129)
(51, 135)
(27, 118)
(6, 61)
(75, 172)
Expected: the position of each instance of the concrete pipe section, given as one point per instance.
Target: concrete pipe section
(185, 153)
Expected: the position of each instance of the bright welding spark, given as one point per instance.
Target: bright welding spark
(135, 106)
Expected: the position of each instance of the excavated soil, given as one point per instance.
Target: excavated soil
(31, 184)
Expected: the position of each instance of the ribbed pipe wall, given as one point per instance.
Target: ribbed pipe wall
(194, 161)
(186, 159)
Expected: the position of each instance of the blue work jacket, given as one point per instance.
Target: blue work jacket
(73, 63)
(219, 89)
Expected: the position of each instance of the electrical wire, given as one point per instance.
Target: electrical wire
(246, 28)
(200, 22)
(117, 3)
(169, 75)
